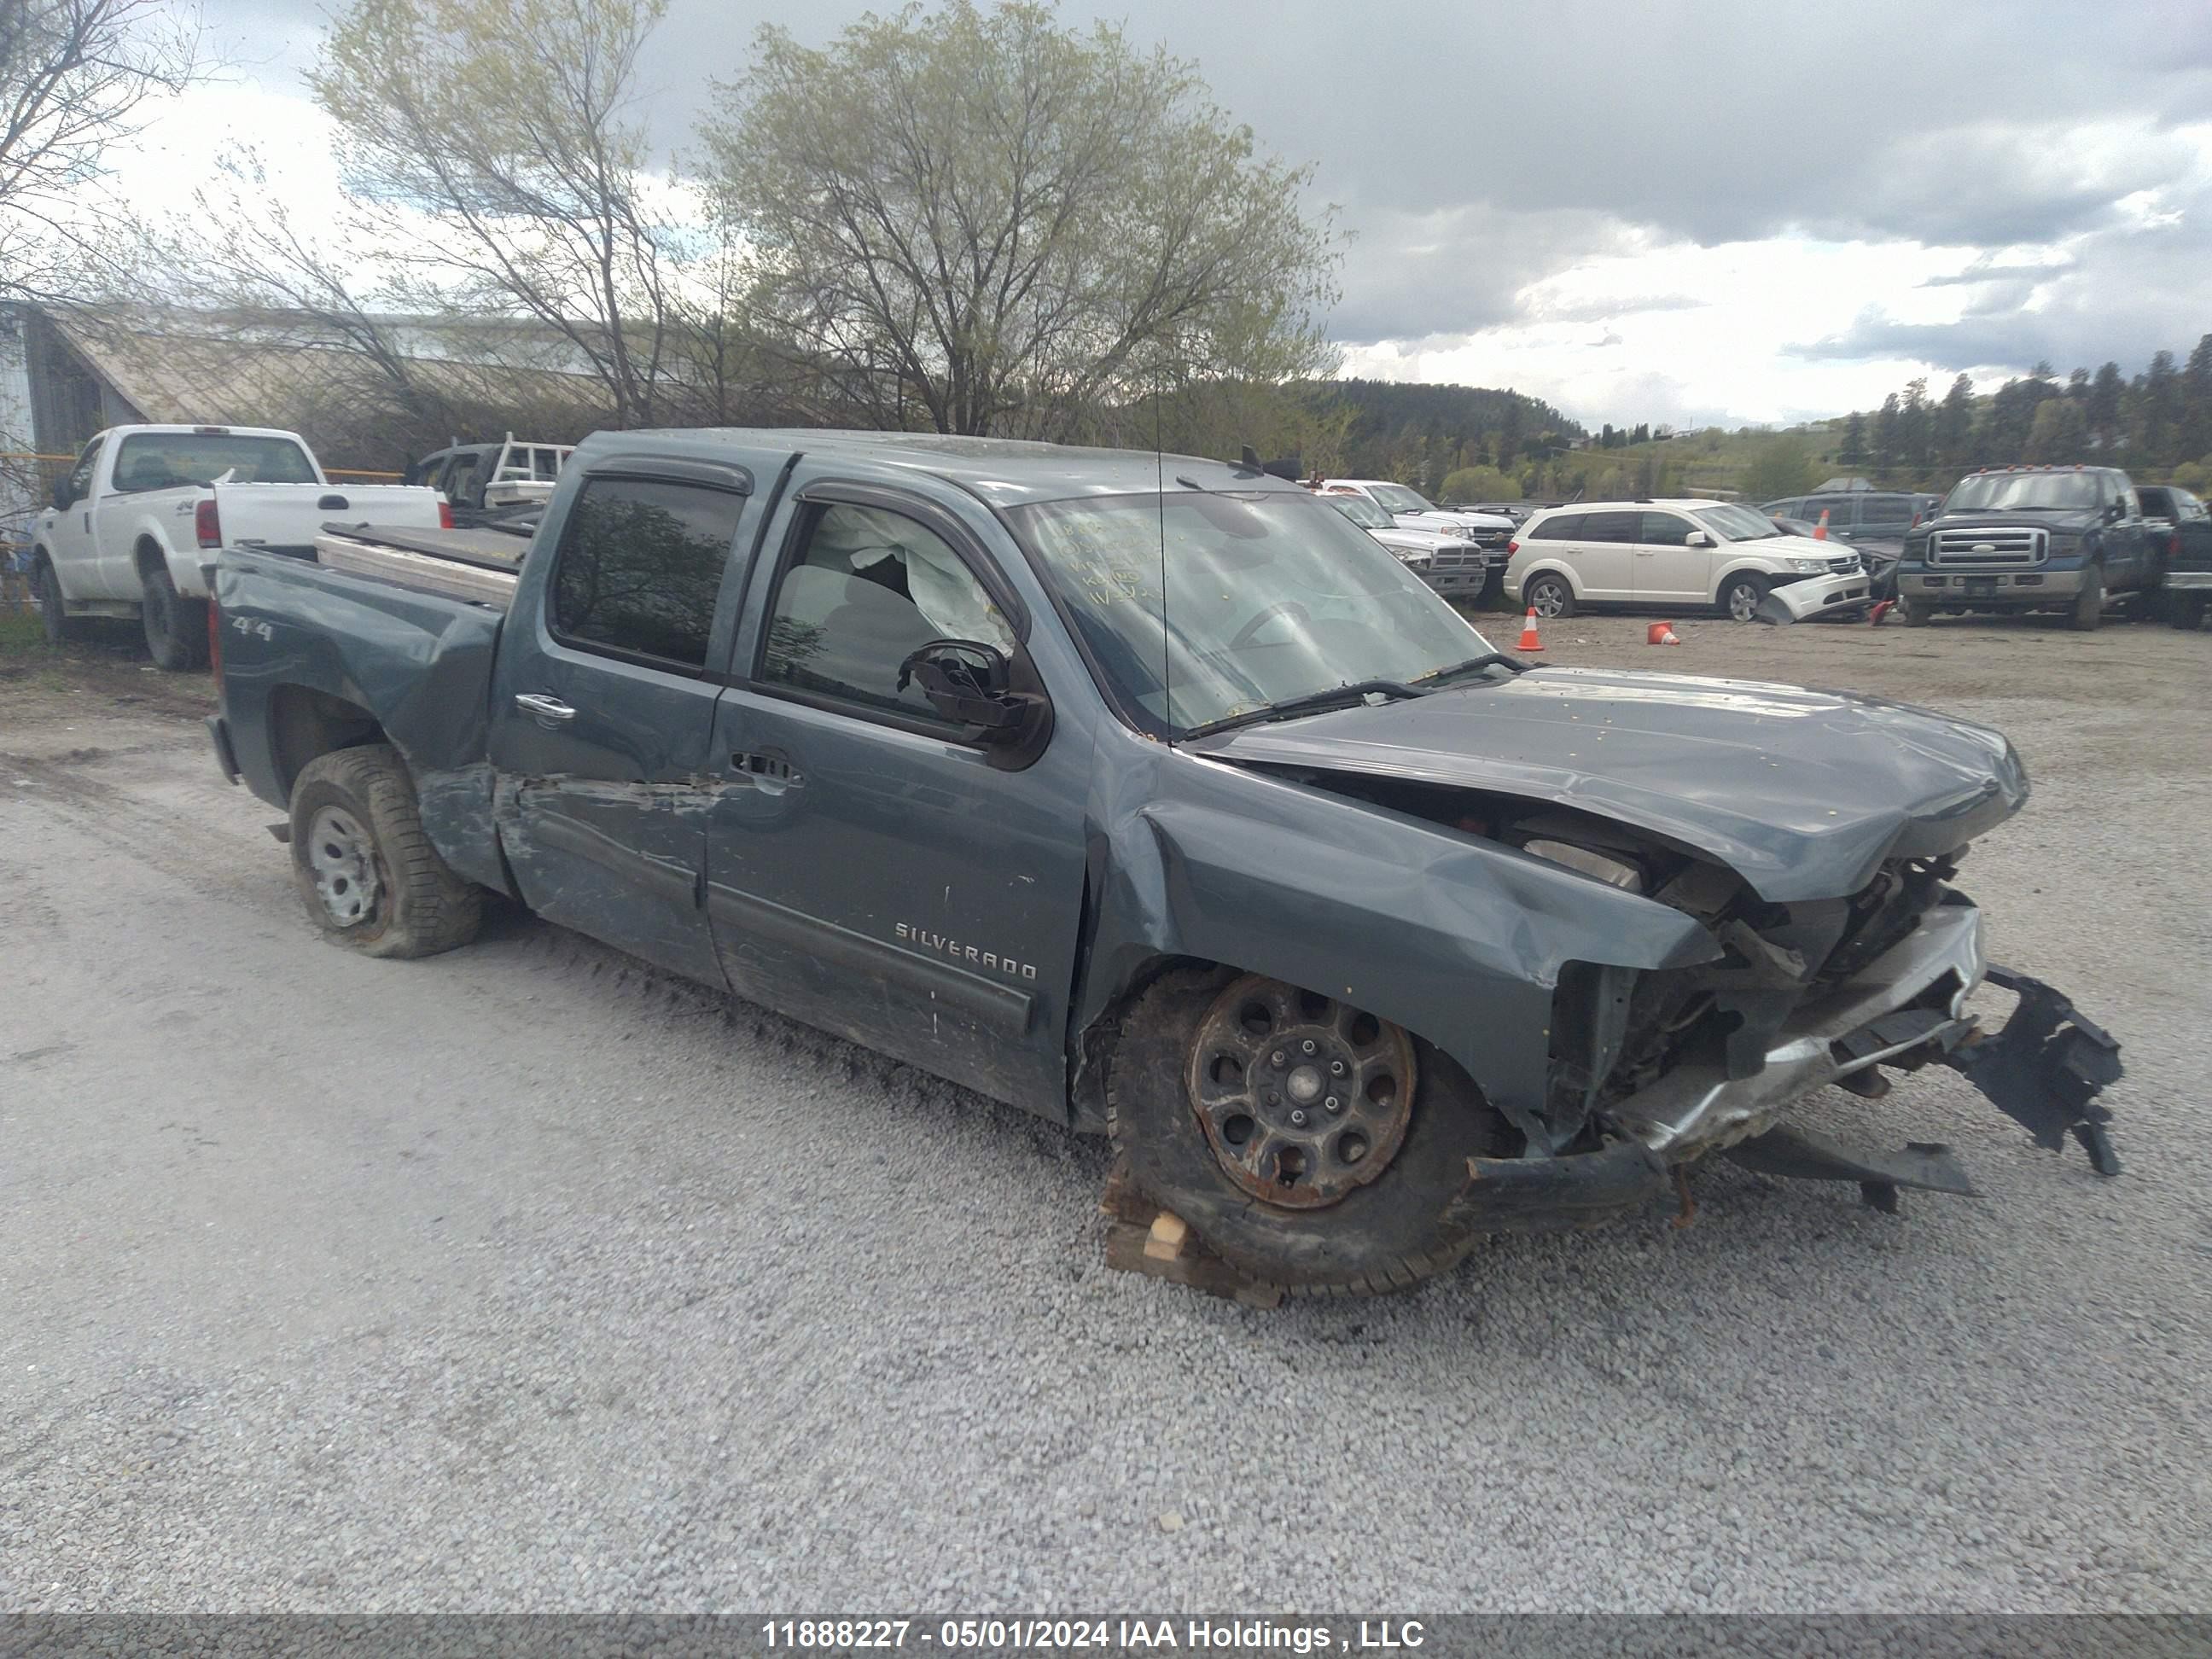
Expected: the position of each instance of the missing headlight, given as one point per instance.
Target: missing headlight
(1597, 865)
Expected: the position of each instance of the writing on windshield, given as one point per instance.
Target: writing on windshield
(1203, 603)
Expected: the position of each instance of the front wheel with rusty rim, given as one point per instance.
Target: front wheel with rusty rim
(1306, 1142)
(365, 867)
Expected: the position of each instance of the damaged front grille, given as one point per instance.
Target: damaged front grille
(1616, 1030)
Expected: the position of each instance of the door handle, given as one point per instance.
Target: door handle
(548, 712)
(771, 773)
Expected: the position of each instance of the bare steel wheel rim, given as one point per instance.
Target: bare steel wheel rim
(1547, 600)
(1742, 601)
(343, 860)
(1302, 1098)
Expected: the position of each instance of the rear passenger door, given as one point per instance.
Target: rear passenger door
(1603, 555)
(1668, 570)
(603, 703)
(1882, 518)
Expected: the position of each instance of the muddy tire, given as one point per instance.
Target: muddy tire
(1918, 613)
(2185, 611)
(2087, 615)
(176, 627)
(1550, 597)
(53, 611)
(1386, 1235)
(1740, 596)
(364, 868)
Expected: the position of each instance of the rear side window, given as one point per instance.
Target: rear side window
(1562, 527)
(1841, 510)
(1609, 527)
(639, 566)
(1884, 509)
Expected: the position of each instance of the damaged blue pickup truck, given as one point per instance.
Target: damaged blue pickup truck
(1149, 794)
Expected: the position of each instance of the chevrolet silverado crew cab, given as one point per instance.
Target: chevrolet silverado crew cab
(1679, 554)
(1187, 816)
(130, 523)
(2017, 538)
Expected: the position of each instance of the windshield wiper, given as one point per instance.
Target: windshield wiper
(1488, 659)
(1311, 702)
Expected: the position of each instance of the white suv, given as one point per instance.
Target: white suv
(1674, 554)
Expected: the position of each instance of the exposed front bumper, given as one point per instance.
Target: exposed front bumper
(1912, 994)
(1815, 596)
(1991, 589)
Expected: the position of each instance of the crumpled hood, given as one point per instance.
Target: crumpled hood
(1803, 793)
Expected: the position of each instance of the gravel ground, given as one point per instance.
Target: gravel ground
(524, 1279)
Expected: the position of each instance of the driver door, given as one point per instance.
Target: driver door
(68, 534)
(1668, 570)
(870, 870)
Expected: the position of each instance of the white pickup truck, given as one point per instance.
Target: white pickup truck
(131, 521)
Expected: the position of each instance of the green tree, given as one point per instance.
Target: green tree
(2196, 433)
(2058, 434)
(1883, 445)
(1954, 425)
(1853, 452)
(1915, 436)
(2158, 411)
(1779, 465)
(1479, 483)
(1011, 222)
(2104, 391)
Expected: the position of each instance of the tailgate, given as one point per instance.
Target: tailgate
(288, 515)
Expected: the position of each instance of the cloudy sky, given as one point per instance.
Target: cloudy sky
(1685, 211)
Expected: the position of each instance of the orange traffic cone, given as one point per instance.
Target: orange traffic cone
(1821, 530)
(1659, 634)
(1528, 640)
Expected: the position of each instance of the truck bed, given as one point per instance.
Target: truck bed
(479, 564)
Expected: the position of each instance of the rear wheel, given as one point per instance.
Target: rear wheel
(364, 868)
(1917, 612)
(1550, 597)
(2088, 613)
(53, 610)
(1307, 1143)
(1739, 596)
(2186, 610)
(176, 627)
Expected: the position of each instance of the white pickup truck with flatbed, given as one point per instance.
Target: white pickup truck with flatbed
(132, 522)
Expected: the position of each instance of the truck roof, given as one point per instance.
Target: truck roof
(1004, 472)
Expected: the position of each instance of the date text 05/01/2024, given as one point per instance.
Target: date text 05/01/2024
(1117, 1634)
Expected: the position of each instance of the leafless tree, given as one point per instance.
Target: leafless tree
(75, 77)
(495, 153)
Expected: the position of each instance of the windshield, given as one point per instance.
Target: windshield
(164, 460)
(1396, 498)
(1362, 511)
(1737, 523)
(2062, 492)
(1268, 596)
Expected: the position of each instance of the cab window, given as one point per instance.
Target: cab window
(1664, 530)
(868, 588)
(639, 567)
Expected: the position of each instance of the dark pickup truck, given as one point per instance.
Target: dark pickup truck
(1186, 816)
(2019, 538)
(2175, 516)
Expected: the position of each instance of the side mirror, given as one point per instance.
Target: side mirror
(975, 684)
(1697, 538)
(64, 496)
